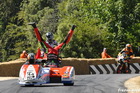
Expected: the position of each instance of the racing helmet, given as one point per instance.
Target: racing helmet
(31, 58)
(49, 35)
(128, 46)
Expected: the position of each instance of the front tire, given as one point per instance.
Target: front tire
(118, 71)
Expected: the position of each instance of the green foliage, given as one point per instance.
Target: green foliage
(100, 23)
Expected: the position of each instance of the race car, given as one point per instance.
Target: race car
(36, 74)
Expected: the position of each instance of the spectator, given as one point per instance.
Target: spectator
(104, 54)
(23, 54)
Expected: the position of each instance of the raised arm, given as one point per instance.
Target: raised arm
(38, 36)
(67, 39)
(70, 33)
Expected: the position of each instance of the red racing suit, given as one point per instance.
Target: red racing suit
(56, 49)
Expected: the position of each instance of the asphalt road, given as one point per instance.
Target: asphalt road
(105, 83)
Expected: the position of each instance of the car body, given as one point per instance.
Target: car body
(36, 74)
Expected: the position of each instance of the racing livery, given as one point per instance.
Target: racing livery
(35, 74)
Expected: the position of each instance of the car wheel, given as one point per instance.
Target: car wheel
(68, 84)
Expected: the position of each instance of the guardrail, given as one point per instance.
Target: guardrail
(82, 66)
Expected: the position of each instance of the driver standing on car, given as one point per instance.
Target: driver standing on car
(53, 52)
(50, 41)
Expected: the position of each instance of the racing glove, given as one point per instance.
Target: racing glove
(73, 27)
(33, 24)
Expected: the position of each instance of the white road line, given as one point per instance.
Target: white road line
(7, 78)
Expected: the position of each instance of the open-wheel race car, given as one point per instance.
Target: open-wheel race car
(39, 70)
